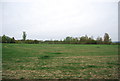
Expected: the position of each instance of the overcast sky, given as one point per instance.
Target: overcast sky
(56, 19)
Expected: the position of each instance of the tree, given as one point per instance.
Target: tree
(24, 36)
(68, 40)
(36, 42)
(6, 39)
(84, 39)
(90, 40)
(99, 40)
(107, 39)
(12, 40)
(75, 40)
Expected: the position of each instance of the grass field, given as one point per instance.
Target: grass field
(59, 61)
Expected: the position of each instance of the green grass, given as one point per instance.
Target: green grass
(59, 61)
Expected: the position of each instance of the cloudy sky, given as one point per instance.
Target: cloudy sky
(56, 19)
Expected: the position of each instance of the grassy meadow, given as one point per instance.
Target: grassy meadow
(59, 61)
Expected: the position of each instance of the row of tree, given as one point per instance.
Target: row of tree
(82, 40)
(68, 40)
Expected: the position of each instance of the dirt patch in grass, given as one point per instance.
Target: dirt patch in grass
(87, 56)
(44, 57)
(90, 72)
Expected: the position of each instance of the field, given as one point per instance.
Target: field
(59, 61)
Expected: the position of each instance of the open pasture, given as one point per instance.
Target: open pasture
(59, 61)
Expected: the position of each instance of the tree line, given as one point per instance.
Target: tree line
(68, 40)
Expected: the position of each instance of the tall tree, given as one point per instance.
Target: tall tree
(107, 39)
(24, 36)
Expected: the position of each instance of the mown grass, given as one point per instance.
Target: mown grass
(59, 61)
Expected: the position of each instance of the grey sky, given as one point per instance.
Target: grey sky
(56, 19)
